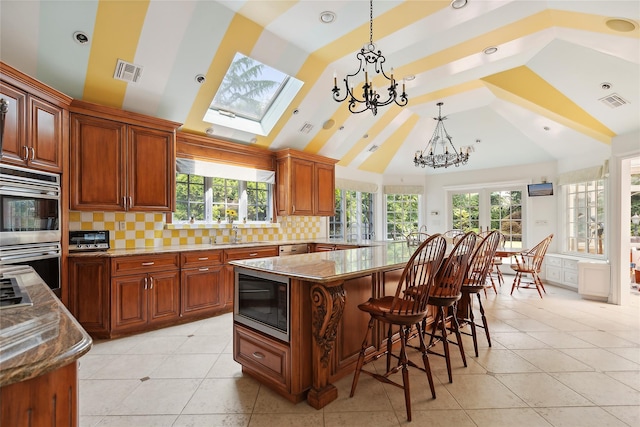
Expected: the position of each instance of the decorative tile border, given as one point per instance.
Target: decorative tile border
(140, 230)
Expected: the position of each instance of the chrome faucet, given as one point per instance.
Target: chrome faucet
(235, 238)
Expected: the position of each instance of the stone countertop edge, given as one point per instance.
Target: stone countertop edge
(65, 342)
(210, 247)
(332, 266)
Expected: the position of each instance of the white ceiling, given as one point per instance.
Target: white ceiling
(552, 58)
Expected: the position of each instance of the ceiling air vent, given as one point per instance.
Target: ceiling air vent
(306, 127)
(127, 71)
(614, 100)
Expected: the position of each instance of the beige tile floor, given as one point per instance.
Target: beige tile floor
(558, 361)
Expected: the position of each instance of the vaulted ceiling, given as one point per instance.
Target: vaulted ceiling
(538, 98)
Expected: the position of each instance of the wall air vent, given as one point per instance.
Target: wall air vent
(614, 100)
(127, 72)
(306, 127)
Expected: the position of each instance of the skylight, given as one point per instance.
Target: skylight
(252, 96)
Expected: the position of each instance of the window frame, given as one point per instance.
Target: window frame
(413, 224)
(356, 228)
(573, 225)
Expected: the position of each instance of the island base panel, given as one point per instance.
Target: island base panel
(320, 398)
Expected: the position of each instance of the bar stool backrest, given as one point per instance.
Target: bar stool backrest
(417, 277)
(448, 281)
(481, 261)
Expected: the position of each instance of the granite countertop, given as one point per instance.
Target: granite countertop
(325, 267)
(209, 246)
(37, 339)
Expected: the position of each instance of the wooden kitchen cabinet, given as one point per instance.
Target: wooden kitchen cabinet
(89, 293)
(305, 184)
(121, 160)
(36, 122)
(202, 283)
(145, 298)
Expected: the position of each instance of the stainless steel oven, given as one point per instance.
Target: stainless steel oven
(262, 302)
(30, 221)
(29, 206)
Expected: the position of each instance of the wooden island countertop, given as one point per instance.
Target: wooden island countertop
(39, 348)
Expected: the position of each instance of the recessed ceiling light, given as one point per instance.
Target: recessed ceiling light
(410, 77)
(209, 131)
(605, 86)
(621, 25)
(328, 124)
(490, 50)
(80, 37)
(253, 140)
(547, 128)
(327, 17)
(365, 136)
(200, 78)
(458, 4)
(296, 111)
(341, 128)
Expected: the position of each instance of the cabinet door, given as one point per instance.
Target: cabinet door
(97, 164)
(14, 142)
(129, 302)
(325, 203)
(45, 138)
(151, 169)
(302, 189)
(229, 286)
(202, 290)
(89, 294)
(164, 296)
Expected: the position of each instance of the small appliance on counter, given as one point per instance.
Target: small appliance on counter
(88, 240)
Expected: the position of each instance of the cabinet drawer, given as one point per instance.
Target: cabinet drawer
(553, 274)
(268, 357)
(571, 277)
(144, 264)
(570, 264)
(553, 261)
(200, 258)
(248, 253)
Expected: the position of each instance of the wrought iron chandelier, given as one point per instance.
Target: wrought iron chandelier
(371, 99)
(437, 154)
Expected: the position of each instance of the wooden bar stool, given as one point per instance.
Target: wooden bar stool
(445, 293)
(475, 282)
(530, 262)
(404, 309)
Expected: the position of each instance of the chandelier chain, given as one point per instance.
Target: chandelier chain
(370, 22)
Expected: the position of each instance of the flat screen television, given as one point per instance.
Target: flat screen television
(542, 189)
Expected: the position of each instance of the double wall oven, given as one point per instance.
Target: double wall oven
(30, 221)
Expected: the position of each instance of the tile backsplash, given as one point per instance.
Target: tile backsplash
(129, 230)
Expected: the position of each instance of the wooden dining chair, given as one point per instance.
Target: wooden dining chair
(444, 296)
(475, 281)
(415, 238)
(494, 271)
(403, 310)
(530, 262)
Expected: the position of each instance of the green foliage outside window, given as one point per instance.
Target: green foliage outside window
(402, 214)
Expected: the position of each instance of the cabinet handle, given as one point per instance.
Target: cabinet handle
(33, 153)
(130, 201)
(145, 283)
(203, 269)
(26, 153)
(258, 355)
(148, 263)
(204, 258)
(294, 209)
(151, 282)
(253, 254)
(124, 203)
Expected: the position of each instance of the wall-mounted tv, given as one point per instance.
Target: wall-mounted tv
(542, 189)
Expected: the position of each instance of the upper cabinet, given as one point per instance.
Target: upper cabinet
(305, 184)
(121, 160)
(35, 128)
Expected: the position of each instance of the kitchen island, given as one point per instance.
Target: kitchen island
(326, 328)
(39, 348)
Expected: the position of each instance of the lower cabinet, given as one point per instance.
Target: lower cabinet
(146, 298)
(561, 270)
(143, 299)
(89, 294)
(202, 283)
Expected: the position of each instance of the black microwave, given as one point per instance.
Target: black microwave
(262, 302)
